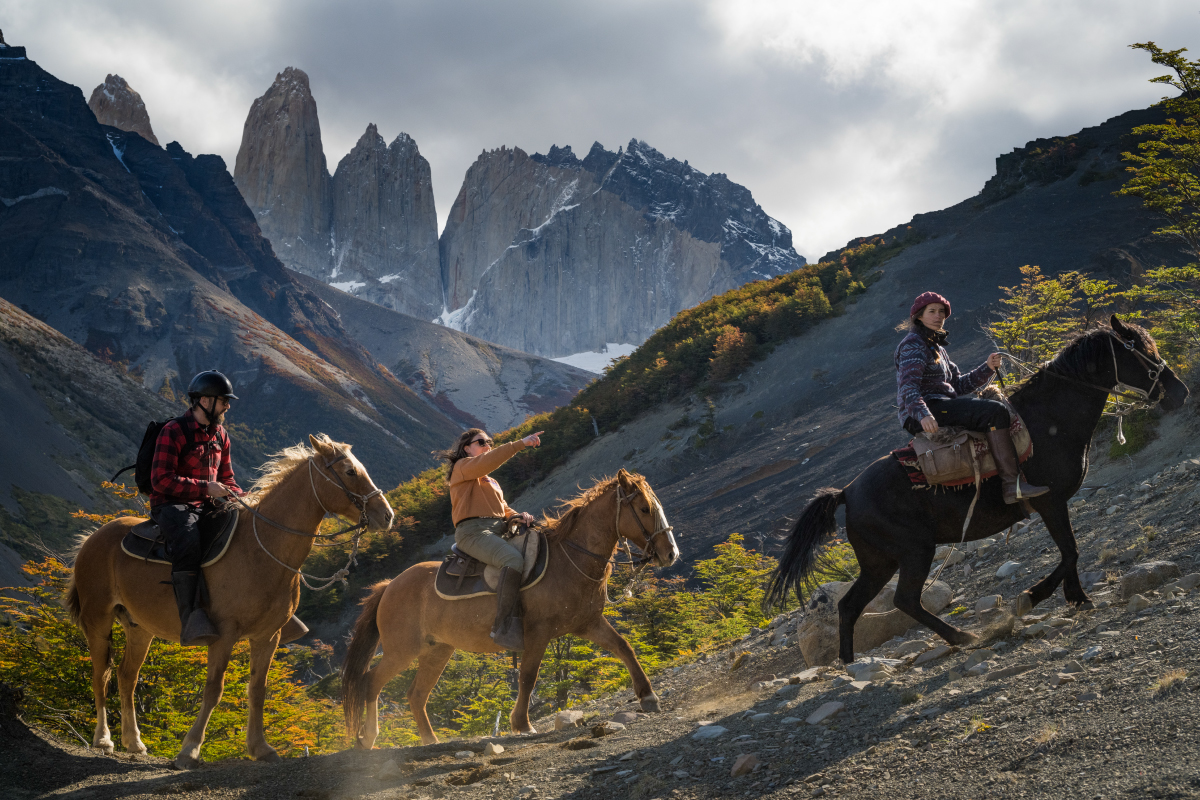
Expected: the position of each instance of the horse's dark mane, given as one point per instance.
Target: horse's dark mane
(1083, 348)
(558, 526)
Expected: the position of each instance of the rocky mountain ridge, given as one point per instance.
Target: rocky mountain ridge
(117, 104)
(603, 249)
(370, 228)
(549, 254)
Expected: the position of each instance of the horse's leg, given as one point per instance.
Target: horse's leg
(261, 653)
(607, 637)
(430, 664)
(394, 661)
(99, 638)
(914, 569)
(1058, 522)
(137, 644)
(531, 663)
(214, 685)
(876, 569)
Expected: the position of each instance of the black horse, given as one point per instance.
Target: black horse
(892, 527)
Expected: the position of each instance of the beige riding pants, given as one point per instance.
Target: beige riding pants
(480, 538)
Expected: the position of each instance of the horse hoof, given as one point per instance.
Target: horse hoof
(269, 757)
(1087, 605)
(105, 746)
(1022, 604)
(137, 749)
(183, 762)
(650, 704)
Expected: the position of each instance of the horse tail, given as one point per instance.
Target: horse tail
(71, 601)
(799, 558)
(363, 642)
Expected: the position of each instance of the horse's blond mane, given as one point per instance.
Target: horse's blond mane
(560, 524)
(283, 462)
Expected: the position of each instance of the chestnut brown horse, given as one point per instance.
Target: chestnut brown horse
(412, 621)
(252, 594)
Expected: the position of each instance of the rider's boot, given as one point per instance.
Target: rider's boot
(509, 629)
(292, 630)
(1011, 481)
(196, 628)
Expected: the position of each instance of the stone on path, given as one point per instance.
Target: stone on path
(988, 603)
(818, 632)
(827, 711)
(1137, 603)
(464, 755)
(760, 717)
(978, 669)
(607, 728)
(1072, 667)
(1189, 582)
(932, 655)
(709, 732)
(915, 647)
(493, 749)
(744, 764)
(982, 654)
(1148, 575)
(790, 721)
(1008, 568)
(860, 686)
(625, 717)
(567, 719)
(1009, 672)
(388, 771)
(1060, 678)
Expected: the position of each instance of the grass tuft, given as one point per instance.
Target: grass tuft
(1169, 680)
(910, 696)
(1047, 733)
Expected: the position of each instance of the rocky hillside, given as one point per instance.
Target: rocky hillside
(604, 249)
(151, 260)
(820, 407)
(1060, 703)
(471, 381)
(117, 104)
(370, 229)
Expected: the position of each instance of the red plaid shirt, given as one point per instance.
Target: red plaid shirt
(180, 474)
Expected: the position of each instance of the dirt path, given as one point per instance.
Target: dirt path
(1121, 725)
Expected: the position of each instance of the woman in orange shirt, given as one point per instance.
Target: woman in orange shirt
(480, 515)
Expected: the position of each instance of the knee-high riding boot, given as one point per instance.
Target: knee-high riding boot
(509, 628)
(1005, 454)
(196, 628)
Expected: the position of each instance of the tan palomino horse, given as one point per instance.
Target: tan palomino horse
(252, 595)
(412, 621)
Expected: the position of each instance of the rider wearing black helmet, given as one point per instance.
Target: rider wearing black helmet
(192, 467)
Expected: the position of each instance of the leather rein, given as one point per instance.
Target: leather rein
(360, 502)
(623, 499)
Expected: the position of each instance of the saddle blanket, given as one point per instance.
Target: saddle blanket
(146, 542)
(460, 576)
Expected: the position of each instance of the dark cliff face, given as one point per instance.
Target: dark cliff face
(150, 259)
(604, 249)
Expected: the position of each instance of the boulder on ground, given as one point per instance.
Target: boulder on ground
(827, 711)
(1148, 575)
(744, 764)
(880, 621)
(568, 719)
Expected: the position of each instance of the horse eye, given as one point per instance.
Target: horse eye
(646, 510)
(352, 472)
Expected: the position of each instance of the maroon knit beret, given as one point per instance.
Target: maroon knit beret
(925, 299)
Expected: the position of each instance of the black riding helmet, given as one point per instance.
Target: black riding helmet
(210, 383)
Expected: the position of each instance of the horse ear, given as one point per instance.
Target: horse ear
(624, 478)
(317, 444)
(1119, 326)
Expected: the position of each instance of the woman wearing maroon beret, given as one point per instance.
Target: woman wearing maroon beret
(931, 392)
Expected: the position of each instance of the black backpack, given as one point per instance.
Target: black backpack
(145, 456)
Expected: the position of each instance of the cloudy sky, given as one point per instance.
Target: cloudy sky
(843, 119)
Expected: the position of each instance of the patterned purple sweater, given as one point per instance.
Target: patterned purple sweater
(924, 371)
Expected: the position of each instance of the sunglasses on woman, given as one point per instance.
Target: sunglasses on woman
(487, 442)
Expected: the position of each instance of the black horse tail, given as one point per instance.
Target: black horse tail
(363, 644)
(799, 560)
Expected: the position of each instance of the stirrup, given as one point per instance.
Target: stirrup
(198, 630)
(511, 634)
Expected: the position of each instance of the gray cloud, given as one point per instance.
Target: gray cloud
(842, 119)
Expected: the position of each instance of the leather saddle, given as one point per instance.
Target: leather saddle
(146, 541)
(460, 576)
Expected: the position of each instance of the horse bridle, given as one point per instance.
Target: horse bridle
(1154, 370)
(648, 553)
(360, 502)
